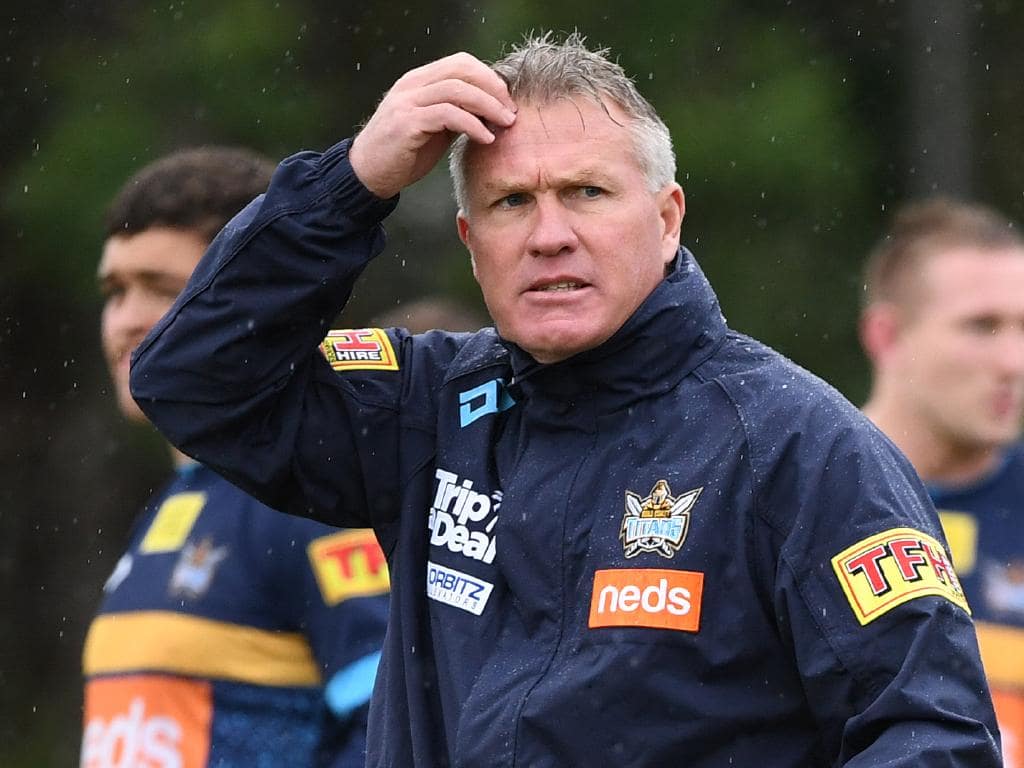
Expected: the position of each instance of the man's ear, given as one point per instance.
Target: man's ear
(462, 225)
(672, 208)
(879, 329)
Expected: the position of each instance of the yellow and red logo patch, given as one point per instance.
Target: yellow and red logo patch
(659, 598)
(349, 564)
(892, 567)
(359, 350)
(151, 720)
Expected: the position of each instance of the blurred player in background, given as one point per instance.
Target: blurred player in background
(228, 633)
(943, 327)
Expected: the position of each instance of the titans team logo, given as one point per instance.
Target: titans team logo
(658, 523)
(195, 568)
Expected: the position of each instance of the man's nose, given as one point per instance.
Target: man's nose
(133, 313)
(553, 231)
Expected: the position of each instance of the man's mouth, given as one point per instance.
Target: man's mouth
(562, 285)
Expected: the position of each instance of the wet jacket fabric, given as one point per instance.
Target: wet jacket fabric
(230, 634)
(983, 523)
(677, 548)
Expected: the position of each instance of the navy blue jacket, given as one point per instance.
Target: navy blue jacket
(677, 548)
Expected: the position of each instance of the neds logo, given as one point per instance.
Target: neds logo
(133, 738)
(658, 598)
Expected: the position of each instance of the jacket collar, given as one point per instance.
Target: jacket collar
(675, 329)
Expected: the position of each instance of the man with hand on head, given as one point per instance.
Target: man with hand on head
(619, 533)
(943, 327)
(229, 633)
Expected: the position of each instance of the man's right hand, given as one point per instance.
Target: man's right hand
(422, 114)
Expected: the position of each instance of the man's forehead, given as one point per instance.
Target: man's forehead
(564, 119)
(965, 278)
(586, 137)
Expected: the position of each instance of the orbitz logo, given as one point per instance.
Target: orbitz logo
(462, 519)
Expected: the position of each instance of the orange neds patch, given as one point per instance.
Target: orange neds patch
(659, 598)
(150, 720)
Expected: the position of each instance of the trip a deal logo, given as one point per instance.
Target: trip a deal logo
(890, 568)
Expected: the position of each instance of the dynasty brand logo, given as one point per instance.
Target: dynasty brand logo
(463, 519)
(658, 523)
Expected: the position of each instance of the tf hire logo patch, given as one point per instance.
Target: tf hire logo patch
(892, 567)
(348, 564)
(361, 349)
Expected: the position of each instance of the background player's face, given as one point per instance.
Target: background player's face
(566, 237)
(140, 276)
(960, 352)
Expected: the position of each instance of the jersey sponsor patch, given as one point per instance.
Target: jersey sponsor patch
(658, 523)
(658, 598)
(457, 589)
(892, 567)
(359, 349)
(173, 523)
(348, 564)
(961, 531)
(150, 720)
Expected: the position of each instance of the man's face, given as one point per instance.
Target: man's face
(566, 238)
(960, 353)
(140, 276)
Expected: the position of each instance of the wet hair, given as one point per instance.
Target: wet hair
(198, 190)
(540, 71)
(927, 227)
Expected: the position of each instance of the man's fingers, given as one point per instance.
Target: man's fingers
(437, 118)
(459, 66)
(467, 97)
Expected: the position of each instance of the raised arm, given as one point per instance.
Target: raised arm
(232, 376)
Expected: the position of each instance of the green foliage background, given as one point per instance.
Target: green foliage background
(793, 137)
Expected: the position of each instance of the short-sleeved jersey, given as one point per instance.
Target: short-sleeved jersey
(230, 634)
(984, 522)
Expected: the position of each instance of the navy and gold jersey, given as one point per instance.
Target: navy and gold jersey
(230, 634)
(984, 522)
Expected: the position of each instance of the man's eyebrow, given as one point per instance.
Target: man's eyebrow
(581, 177)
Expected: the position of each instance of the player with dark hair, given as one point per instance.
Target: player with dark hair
(228, 633)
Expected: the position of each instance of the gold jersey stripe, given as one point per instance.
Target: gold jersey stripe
(161, 641)
(1002, 651)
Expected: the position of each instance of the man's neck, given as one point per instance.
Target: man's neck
(178, 458)
(935, 457)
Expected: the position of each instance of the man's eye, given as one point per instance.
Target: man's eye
(982, 325)
(512, 201)
(110, 292)
(591, 191)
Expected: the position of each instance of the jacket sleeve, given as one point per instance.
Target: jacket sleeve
(865, 593)
(232, 374)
